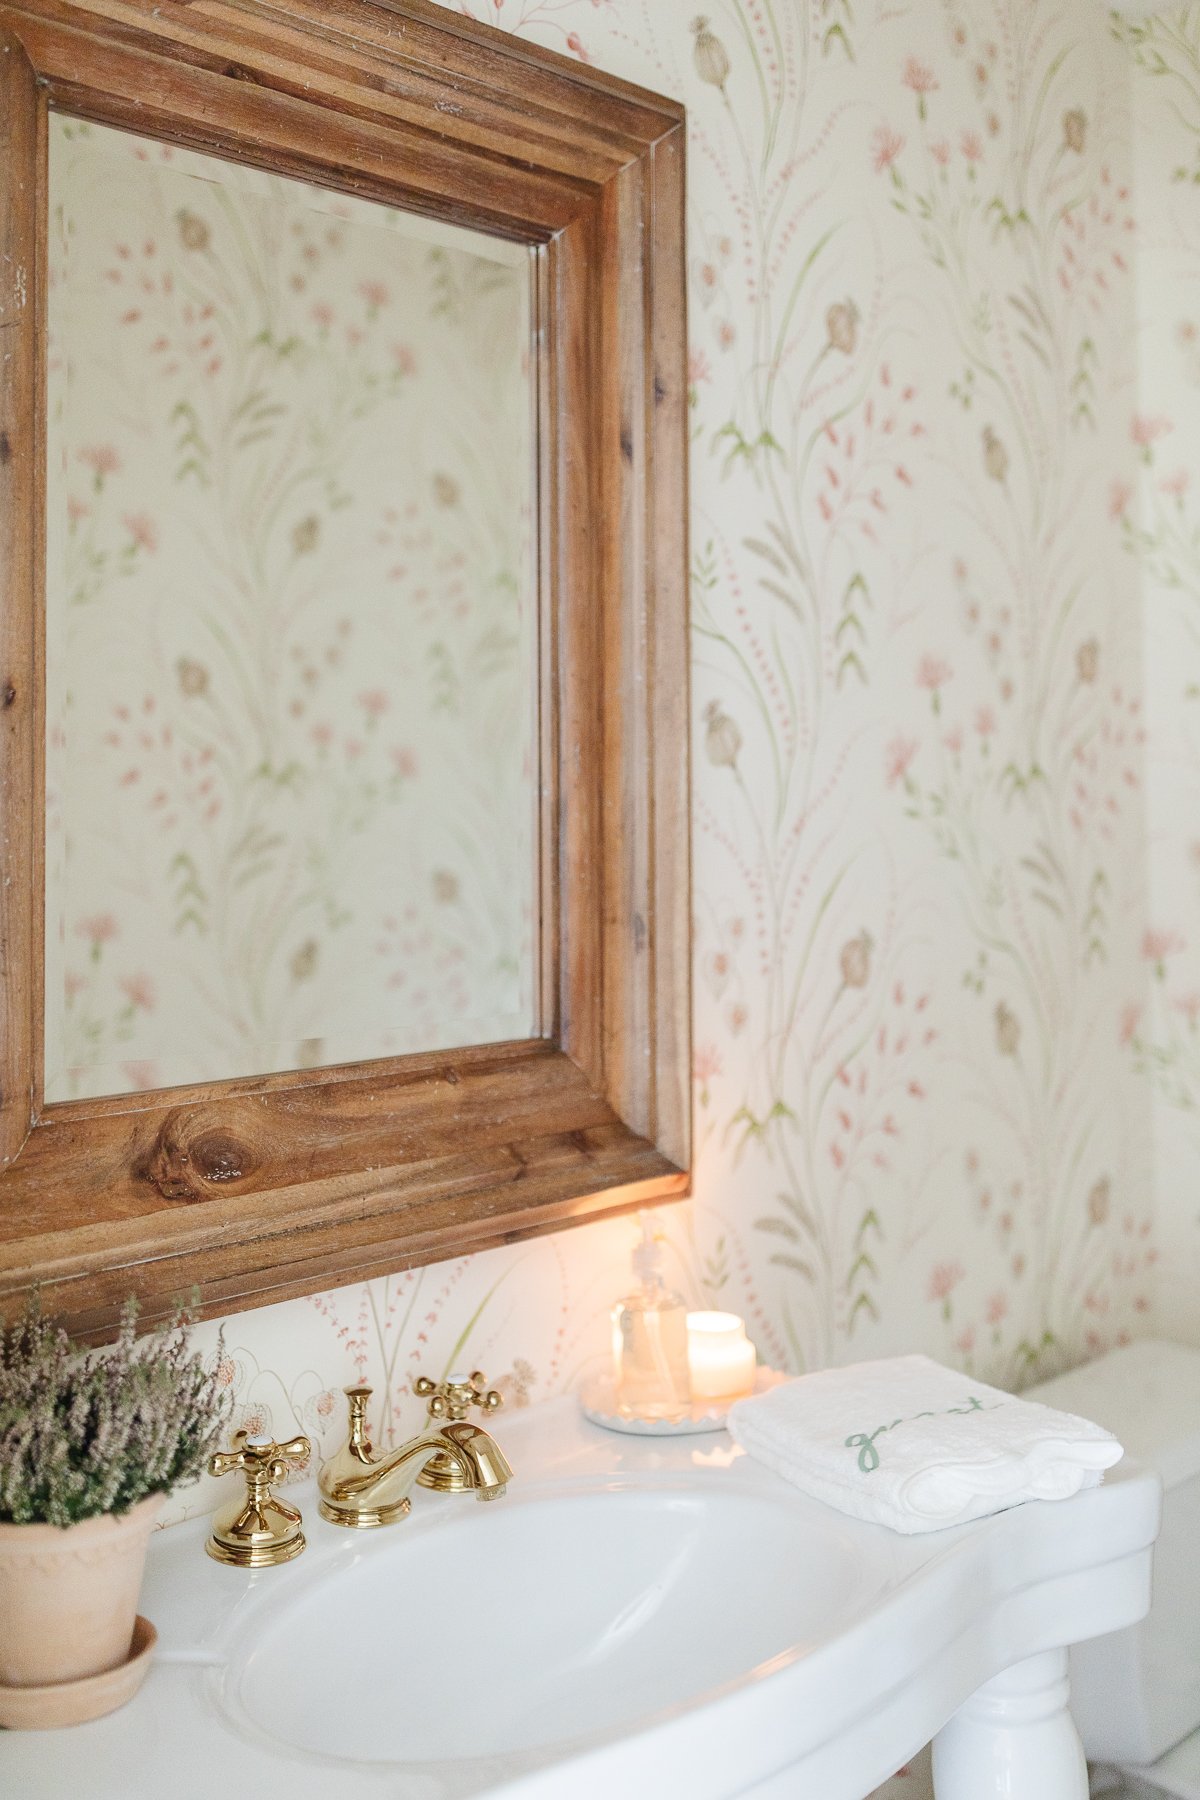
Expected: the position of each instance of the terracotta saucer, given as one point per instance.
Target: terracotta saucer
(73, 1702)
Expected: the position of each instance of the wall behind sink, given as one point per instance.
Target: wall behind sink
(921, 937)
(1162, 528)
(923, 951)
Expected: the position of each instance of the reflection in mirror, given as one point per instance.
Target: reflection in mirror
(291, 629)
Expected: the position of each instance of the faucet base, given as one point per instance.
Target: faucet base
(364, 1518)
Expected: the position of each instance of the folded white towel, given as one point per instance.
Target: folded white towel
(907, 1443)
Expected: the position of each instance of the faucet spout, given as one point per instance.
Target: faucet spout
(361, 1490)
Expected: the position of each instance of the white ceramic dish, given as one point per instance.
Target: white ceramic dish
(598, 1398)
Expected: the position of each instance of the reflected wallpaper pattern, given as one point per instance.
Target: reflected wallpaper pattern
(291, 678)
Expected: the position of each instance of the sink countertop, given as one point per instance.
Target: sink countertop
(906, 1630)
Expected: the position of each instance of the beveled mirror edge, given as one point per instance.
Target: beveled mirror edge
(603, 1123)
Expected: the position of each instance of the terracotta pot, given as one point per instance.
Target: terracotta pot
(69, 1596)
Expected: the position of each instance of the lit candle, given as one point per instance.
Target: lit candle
(720, 1356)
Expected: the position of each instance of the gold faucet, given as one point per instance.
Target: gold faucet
(361, 1489)
(259, 1529)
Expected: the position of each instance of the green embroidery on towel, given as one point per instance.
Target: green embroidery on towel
(864, 1441)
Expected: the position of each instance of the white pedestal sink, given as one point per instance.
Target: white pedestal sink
(636, 1617)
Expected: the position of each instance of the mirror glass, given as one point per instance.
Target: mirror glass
(290, 625)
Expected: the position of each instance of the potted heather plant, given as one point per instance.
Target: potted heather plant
(90, 1445)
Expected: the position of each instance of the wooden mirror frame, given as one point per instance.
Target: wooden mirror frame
(249, 1191)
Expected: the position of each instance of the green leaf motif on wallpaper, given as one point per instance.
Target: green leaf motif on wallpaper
(191, 901)
(850, 632)
(742, 448)
(757, 1128)
(1095, 920)
(714, 1267)
(191, 446)
(864, 1271)
(1036, 330)
(1050, 886)
(1014, 780)
(1083, 385)
(783, 1259)
(254, 854)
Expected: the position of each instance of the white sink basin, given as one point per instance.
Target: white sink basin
(637, 1618)
(556, 1617)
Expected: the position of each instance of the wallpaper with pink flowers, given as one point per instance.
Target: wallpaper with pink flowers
(1159, 512)
(939, 486)
(291, 662)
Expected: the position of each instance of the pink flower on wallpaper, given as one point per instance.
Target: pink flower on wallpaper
(1120, 499)
(76, 509)
(101, 928)
(142, 530)
(940, 152)
(1189, 1005)
(985, 722)
(405, 357)
(404, 761)
(971, 145)
(101, 459)
(944, 1277)
(699, 367)
(1176, 486)
(375, 293)
(1147, 430)
(898, 758)
(374, 702)
(1158, 945)
(933, 672)
(1131, 1018)
(141, 1075)
(997, 1309)
(323, 315)
(886, 146)
(919, 77)
(575, 46)
(921, 80)
(139, 991)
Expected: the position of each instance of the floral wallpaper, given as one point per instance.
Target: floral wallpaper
(1159, 511)
(291, 675)
(944, 544)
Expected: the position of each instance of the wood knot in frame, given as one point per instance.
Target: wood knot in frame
(192, 1159)
(8, 694)
(5, 448)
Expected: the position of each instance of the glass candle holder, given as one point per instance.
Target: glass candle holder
(721, 1358)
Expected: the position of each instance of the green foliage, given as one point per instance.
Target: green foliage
(82, 1435)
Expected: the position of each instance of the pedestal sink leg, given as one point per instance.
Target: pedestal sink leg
(1014, 1737)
